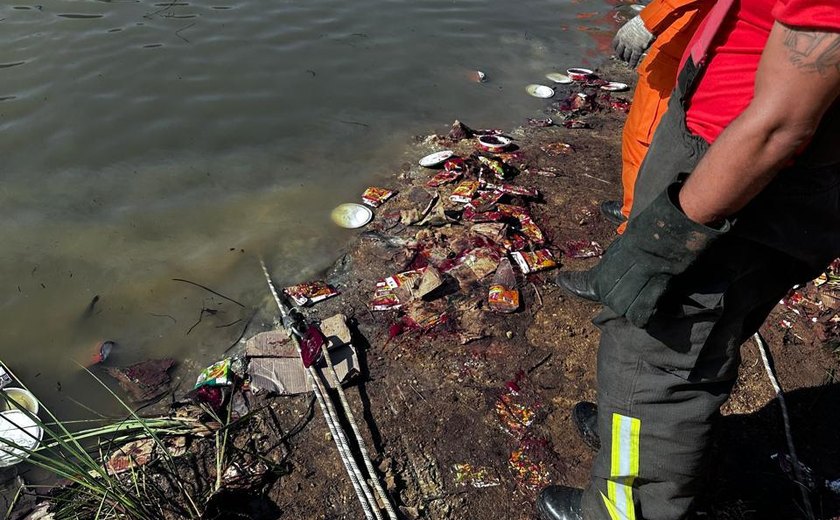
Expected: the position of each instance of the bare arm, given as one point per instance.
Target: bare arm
(797, 80)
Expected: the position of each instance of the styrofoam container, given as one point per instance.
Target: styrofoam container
(22, 397)
(19, 434)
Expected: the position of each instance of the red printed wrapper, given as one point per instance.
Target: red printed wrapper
(517, 212)
(444, 177)
(515, 241)
(386, 296)
(464, 192)
(310, 292)
(496, 166)
(522, 191)
(502, 299)
(471, 215)
(485, 201)
(455, 165)
(536, 261)
(374, 197)
(531, 230)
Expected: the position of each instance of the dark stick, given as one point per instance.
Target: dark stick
(208, 290)
(247, 323)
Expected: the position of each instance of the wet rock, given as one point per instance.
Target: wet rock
(146, 380)
(460, 131)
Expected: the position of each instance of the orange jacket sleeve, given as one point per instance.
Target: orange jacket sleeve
(659, 14)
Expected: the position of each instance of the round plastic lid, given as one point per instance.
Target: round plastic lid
(351, 215)
(18, 428)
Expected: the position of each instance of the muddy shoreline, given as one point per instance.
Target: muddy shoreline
(469, 418)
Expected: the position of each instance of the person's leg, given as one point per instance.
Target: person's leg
(660, 388)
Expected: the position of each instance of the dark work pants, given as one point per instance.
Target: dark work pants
(659, 388)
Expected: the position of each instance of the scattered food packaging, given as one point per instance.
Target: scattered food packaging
(496, 166)
(444, 177)
(455, 165)
(517, 212)
(485, 201)
(471, 215)
(531, 231)
(308, 293)
(216, 374)
(522, 191)
(538, 260)
(503, 295)
(476, 476)
(374, 197)
(464, 192)
(395, 291)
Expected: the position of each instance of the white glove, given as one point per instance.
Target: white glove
(632, 40)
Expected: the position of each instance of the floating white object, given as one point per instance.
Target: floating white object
(17, 429)
(558, 78)
(540, 91)
(22, 399)
(435, 159)
(351, 216)
(615, 86)
(579, 74)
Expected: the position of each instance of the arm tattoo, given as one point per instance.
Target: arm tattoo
(813, 51)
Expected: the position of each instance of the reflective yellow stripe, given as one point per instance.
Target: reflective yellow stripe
(624, 467)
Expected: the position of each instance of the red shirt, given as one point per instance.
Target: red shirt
(726, 87)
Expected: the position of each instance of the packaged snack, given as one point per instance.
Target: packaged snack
(486, 200)
(536, 261)
(471, 215)
(308, 293)
(464, 192)
(503, 295)
(494, 165)
(216, 374)
(531, 231)
(374, 197)
(444, 177)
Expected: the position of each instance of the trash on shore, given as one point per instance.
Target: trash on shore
(579, 73)
(144, 381)
(217, 374)
(614, 86)
(538, 260)
(436, 159)
(309, 293)
(494, 143)
(503, 295)
(101, 351)
(558, 78)
(539, 91)
(475, 476)
(375, 197)
(351, 215)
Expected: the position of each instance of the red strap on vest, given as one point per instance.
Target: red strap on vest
(713, 21)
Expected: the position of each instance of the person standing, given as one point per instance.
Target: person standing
(657, 37)
(737, 200)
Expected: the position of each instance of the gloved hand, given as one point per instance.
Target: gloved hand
(632, 40)
(660, 243)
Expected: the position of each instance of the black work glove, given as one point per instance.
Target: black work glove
(658, 244)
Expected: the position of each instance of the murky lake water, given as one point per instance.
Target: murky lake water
(145, 141)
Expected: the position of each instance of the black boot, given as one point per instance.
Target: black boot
(578, 283)
(611, 210)
(585, 418)
(559, 503)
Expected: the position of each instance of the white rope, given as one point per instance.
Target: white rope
(360, 486)
(386, 501)
(765, 357)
